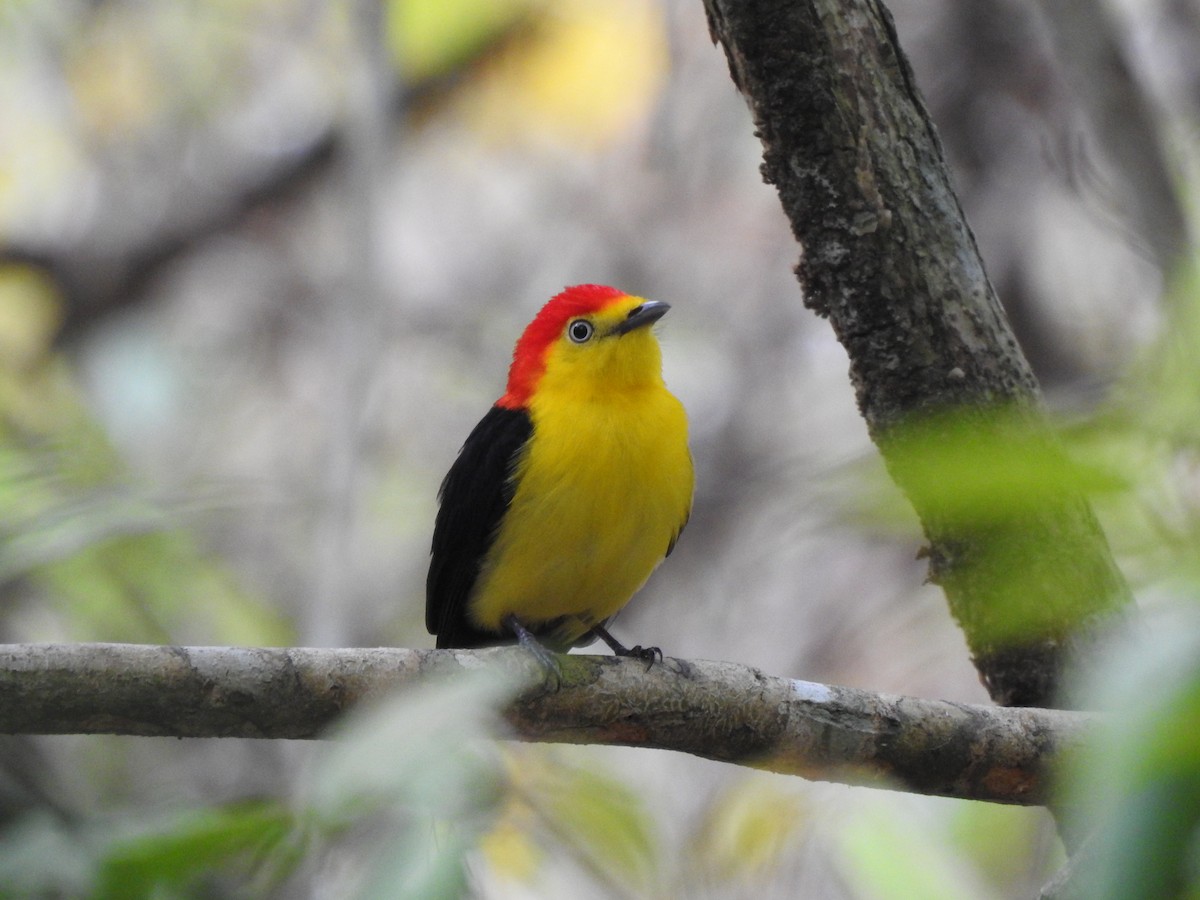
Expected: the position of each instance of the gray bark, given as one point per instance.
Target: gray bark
(889, 259)
(716, 710)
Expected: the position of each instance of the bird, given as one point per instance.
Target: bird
(570, 490)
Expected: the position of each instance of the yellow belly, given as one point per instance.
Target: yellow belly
(604, 487)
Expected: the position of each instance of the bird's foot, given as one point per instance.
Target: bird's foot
(544, 656)
(648, 655)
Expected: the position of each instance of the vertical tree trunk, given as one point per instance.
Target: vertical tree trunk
(889, 259)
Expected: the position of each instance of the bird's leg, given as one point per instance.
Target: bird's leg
(525, 638)
(648, 655)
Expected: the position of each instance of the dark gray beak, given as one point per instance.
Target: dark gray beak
(644, 314)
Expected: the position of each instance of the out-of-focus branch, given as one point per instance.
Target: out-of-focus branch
(1125, 126)
(97, 276)
(104, 268)
(717, 710)
(889, 259)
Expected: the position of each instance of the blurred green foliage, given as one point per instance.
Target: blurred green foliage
(78, 536)
(431, 37)
(748, 829)
(897, 849)
(1134, 796)
(984, 468)
(422, 769)
(992, 485)
(602, 823)
(1132, 800)
(182, 853)
(188, 848)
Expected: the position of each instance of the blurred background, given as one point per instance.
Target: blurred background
(262, 264)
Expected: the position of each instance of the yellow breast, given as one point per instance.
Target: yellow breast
(602, 489)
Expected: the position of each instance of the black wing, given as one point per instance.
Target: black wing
(473, 497)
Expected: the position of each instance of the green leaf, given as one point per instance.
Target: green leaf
(893, 850)
(1013, 847)
(1136, 789)
(190, 845)
(977, 467)
(429, 37)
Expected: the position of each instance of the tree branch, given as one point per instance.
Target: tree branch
(716, 710)
(889, 259)
(1125, 125)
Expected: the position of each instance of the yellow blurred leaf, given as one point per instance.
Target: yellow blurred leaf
(113, 76)
(587, 73)
(748, 828)
(97, 550)
(509, 847)
(30, 314)
(596, 816)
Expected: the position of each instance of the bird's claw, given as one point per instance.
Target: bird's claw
(548, 662)
(648, 655)
(545, 657)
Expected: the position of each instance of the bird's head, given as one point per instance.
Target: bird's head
(586, 338)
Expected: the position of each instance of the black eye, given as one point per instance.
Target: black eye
(580, 331)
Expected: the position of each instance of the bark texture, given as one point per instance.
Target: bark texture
(716, 710)
(889, 259)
